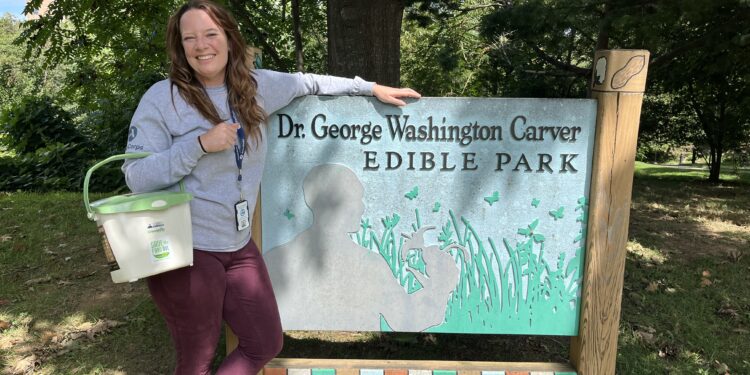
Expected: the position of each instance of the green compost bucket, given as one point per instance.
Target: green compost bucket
(142, 234)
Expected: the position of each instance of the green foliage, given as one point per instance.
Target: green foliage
(442, 51)
(50, 152)
(697, 75)
(56, 166)
(21, 76)
(116, 50)
(35, 123)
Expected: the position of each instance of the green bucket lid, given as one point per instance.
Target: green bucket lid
(155, 201)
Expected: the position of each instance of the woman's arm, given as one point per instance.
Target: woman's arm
(279, 89)
(392, 95)
(169, 162)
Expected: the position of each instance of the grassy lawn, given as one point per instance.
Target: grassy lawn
(686, 305)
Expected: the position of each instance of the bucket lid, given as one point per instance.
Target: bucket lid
(155, 201)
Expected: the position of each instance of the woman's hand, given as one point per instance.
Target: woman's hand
(391, 95)
(221, 137)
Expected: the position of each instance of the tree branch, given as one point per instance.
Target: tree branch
(576, 70)
(496, 4)
(239, 7)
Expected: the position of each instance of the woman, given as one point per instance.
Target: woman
(205, 126)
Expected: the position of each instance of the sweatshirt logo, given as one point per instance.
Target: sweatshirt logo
(132, 134)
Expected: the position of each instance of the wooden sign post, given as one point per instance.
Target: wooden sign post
(618, 84)
(594, 296)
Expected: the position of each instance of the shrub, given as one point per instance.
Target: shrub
(37, 122)
(50, 152)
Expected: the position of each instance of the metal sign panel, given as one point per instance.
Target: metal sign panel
(464, 215)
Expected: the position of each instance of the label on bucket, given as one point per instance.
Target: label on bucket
(160, 250)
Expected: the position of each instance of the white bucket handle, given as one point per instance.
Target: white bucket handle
(136, 155)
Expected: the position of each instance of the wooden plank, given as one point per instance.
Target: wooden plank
(347, 371)
(396, 371)
(417, 365)
(274, 371)
(594, 350)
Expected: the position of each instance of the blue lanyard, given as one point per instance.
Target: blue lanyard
(239, 148)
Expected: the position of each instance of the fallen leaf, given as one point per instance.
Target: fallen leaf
(430, 338)
(4, 325)
(667, 351)
(68, 258)
(100, 326)
(48, 336)
(706, 273)
(636, 298)
(652, 287)
(721, 368)
(40, 280)
(728, 311)
(735, 255)
(670, 290)
(646, 337)
(24, 365)
(85, 275)
(706, 282)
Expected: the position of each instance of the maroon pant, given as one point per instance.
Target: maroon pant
(233, 287)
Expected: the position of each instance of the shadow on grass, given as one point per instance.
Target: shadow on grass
(426, 346)
(685, 277)
(63, 313)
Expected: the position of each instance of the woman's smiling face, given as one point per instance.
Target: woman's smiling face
(205, 45)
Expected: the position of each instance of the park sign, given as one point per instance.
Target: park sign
(462, 215)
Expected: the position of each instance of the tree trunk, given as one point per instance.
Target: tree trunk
(715, 166)
(364, 39)
(297, 36)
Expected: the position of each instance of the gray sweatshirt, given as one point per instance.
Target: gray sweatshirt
(171, 133)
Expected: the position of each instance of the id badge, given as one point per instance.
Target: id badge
(242, 215)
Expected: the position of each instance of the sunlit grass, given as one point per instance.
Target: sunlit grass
(654, 256)
(686, 173)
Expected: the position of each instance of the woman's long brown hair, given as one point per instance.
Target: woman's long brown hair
(241, 86)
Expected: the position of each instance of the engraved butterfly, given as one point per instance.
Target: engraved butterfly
(558, 213)
(492, 198)
(413, 193)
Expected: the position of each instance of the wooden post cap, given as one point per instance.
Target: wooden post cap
(620, 70)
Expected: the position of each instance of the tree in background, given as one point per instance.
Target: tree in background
(117, 50)
(442, 51)
(532, 48)
(364, 39)
(19, 76)
(699, 55)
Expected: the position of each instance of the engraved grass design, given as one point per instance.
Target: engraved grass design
(520, 293)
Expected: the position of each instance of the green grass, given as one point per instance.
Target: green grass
(687, 173)
(672, 320)
(54, 285)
